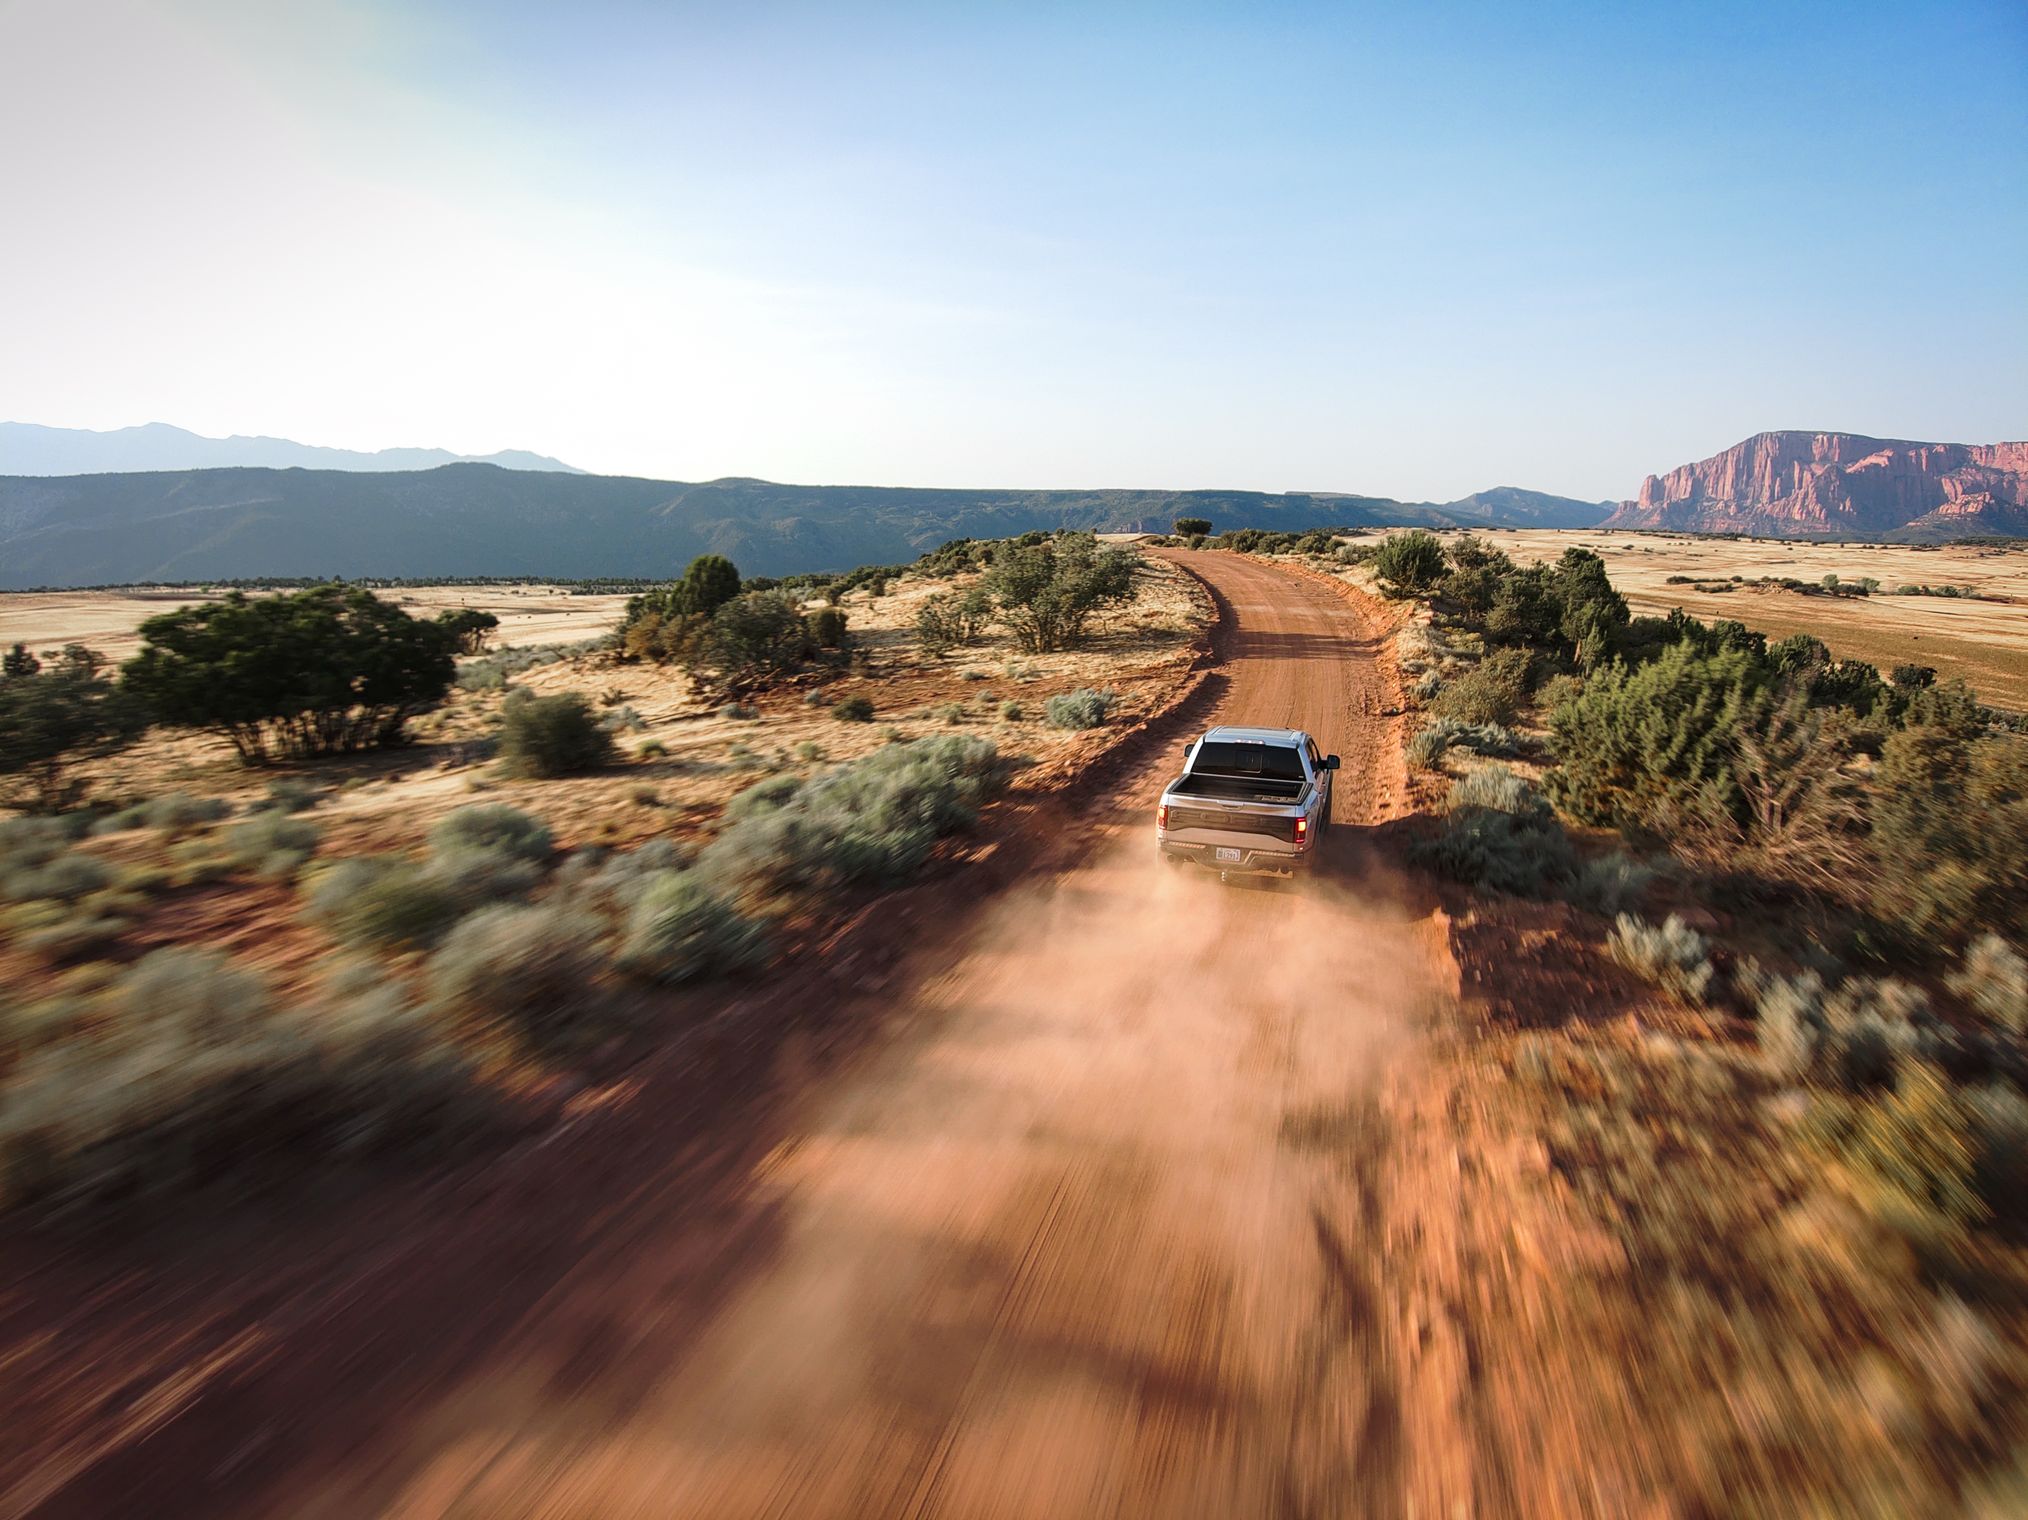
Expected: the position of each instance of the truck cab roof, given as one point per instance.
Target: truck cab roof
(1227, 734)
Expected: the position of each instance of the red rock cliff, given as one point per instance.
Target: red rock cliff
(1839, 485)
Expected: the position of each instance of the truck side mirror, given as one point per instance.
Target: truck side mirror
(1330, 762)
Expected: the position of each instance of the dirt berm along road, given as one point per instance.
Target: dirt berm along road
(1095, 1233)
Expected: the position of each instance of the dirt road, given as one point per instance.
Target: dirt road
(1098, 1233)
(1084, 1243)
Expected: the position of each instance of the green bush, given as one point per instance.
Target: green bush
(1083, 708)
(62, 878)
(1671, 955)
(1950, 835)
(1191, 527)
(825, 628)
(872, 819)
(528, 972)
(1047, 592)
(492, 827)
(853, 710)
(182, 1072)
(1652, 747)
(289, 795)
(949, 619)
(1010, 712)
(664, 623)
(1500, 836)
(273, 844)
(1493, 692)
(680, 930)
(297, 674)
(468, 628)
(552, 736)
(753, 638)
(385, 902)
(1409, 564)
(1427, 749)
(54, 715)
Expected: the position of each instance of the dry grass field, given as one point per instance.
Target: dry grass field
(683, 752)
(1984, 641)
(109, 621)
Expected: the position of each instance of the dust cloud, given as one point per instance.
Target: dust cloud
(1097, 1234)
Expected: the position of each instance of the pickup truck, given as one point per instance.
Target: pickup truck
(1250, 801)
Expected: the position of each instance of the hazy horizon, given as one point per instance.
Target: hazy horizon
(1322, 249)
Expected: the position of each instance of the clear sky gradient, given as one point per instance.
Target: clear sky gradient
(1404, 250)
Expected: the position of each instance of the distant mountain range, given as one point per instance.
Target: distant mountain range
(27, 448)
(1841, 485)
(476, 519)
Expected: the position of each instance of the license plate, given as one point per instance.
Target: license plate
(1229, 857)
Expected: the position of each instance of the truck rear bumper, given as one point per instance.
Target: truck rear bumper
(1250, 862)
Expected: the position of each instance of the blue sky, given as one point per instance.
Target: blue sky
(1412, 251)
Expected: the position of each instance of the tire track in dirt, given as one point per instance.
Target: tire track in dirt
(1100, 1233)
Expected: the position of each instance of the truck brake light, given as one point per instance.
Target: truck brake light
(1162, 816)
(1302, 831)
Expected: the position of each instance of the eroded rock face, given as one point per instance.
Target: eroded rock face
(1840, 485)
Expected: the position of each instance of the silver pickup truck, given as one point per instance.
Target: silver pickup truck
(1250, 801)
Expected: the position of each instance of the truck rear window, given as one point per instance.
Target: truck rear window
(1225, 757)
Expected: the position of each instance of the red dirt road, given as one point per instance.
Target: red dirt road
(1099, 1232)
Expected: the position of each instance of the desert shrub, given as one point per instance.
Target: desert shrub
(1856, 1034)
(528, 972)
(1672, 955)
(1790, 1015)
(753, 638)
(1409, 564)
(475, 876)
(1932, 1147)
(1010, 711)
(183, 1071)
(1493, 692)
(1652, 747)
(872, 819)
(622, 720)
(952, 713)
(1191, 527)
(825, 628)
(52, 715)
(1950, 834)
(763, 797)
(1083, 708)
(679, 930)
(1501, 837)
(289, 795)
(853, 710)
(33, 840)
(74, 936)
(665, 622)
(1426, 751)
(1612, 884)
(951, 619)
(60, 877)
(302, 673)
(810, 752)
(178, 813)
(1493, 786)
(468, 628)
(552, 736)
(273, 844)
(385, 902)
(614, 880)
(492, 827)
(1993, 978)
(1047, 592)
(738, 712)
(1428, 748)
